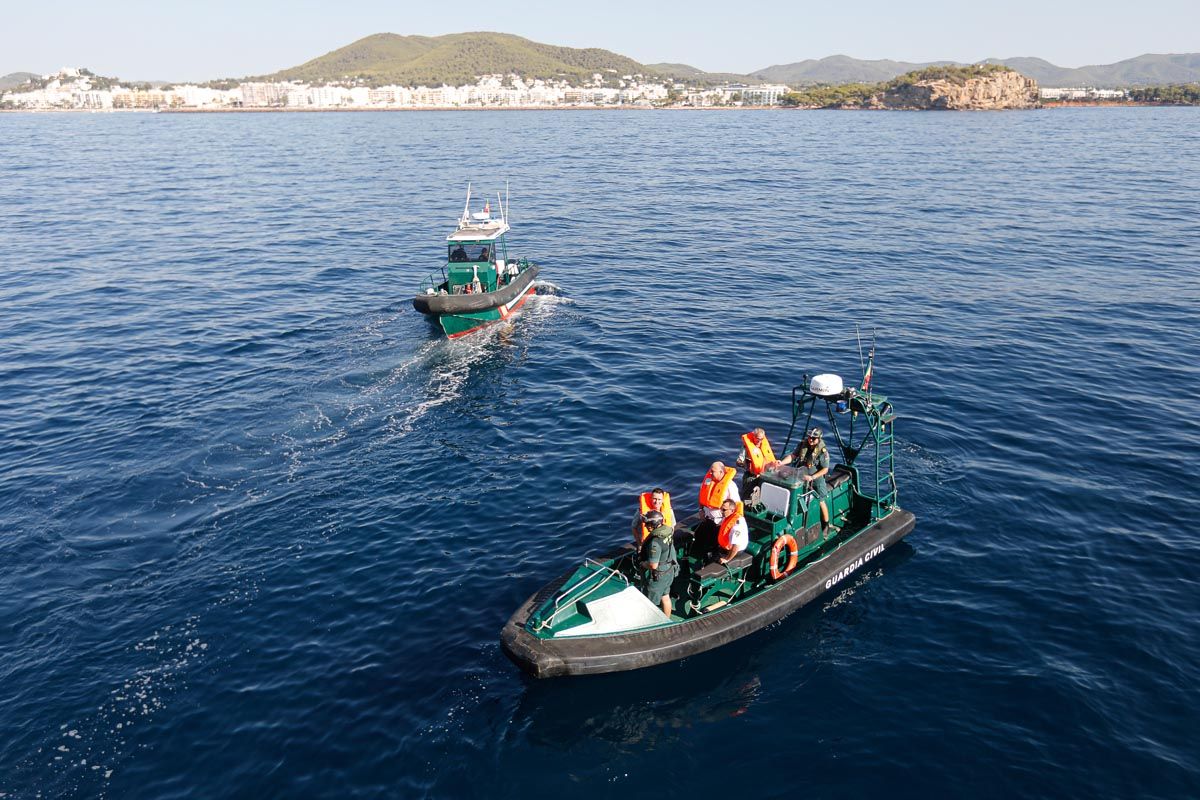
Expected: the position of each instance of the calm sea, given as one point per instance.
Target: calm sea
(260, 526)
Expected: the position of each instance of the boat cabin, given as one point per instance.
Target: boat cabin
(477, 257)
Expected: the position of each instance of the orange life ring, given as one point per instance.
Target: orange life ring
(789, 541)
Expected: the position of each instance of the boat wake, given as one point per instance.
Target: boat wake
(547, 289)
(435, 376)
(79, 756)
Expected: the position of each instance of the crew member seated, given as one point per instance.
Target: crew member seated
(458, 254)
(484, 255)
(654, 500)
(757, 457)
(734, 535)
(716, 488)
(812, 458)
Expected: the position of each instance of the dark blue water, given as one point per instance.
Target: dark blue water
(260, 527)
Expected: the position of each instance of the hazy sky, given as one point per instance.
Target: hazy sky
(136, 39)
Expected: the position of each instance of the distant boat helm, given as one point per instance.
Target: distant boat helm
(481, 283)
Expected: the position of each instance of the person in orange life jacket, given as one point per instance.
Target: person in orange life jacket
(812, 459)
(733, 535)
(654, 500)
(757, 457)
(715, 489)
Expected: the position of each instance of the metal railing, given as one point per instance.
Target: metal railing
(561, 602)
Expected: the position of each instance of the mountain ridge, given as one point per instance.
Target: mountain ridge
(458, 58)
(1145, 70)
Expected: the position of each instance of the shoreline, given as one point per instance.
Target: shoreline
(1052, 104)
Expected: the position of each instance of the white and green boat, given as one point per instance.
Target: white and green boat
(481, 283)
(595, 618)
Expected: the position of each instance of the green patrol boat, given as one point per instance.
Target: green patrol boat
(481, 283)
(596, 618)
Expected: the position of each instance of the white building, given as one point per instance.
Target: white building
(1082, 93)
(265, 95)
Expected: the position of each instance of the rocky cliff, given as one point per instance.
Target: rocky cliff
(996, 90)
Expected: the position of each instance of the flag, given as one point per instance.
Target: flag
(870, 365)
(866, 384)
(487, 207)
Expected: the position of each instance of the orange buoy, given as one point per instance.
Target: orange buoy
(788, 541)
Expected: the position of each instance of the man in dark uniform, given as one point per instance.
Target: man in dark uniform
(659, 562)
(812, 459)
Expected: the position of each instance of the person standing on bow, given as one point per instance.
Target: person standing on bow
(654, 500)
(811, 457)
(715, 489)
(659, 562)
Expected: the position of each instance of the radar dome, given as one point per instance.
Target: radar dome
(826, 385)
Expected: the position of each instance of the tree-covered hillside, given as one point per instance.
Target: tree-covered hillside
(457, 59)
(15, 79)
(1187, 94)
(858, 93)
(694, 75)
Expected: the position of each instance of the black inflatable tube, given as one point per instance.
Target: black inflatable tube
(464, 303)
(547, 658)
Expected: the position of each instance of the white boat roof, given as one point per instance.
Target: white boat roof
(478, 230)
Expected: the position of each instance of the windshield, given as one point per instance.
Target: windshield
(470, 252)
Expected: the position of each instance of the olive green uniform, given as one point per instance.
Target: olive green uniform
(659, 548)
(812, 459)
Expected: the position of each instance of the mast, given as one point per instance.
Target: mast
(466, 215)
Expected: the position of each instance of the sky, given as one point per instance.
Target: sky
(142, 40)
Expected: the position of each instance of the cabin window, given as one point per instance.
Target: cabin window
(469, 253)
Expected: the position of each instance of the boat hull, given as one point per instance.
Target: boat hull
(587, 655)
(460, 314)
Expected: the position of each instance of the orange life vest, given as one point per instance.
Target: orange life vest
(712, 491)
(760, 454)
(644, 506)
(725, 535)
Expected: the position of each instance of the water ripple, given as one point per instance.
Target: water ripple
(261, 525)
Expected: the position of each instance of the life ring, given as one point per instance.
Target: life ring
(788, 541)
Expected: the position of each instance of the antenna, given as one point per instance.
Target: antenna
(467, 206)
(506, 200)
(500, 203)
(866, 384)
(858, 335)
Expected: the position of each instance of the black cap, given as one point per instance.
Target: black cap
(653, 518)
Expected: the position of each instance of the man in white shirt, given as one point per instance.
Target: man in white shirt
(717, 488)
(734, 534)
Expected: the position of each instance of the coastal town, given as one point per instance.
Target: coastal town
(73, 88)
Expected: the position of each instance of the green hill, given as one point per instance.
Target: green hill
(456, 59)
(14, 79)
(839, 70)
(694, 75)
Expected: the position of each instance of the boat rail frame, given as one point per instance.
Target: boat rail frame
(434, 282)
(560, 600)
